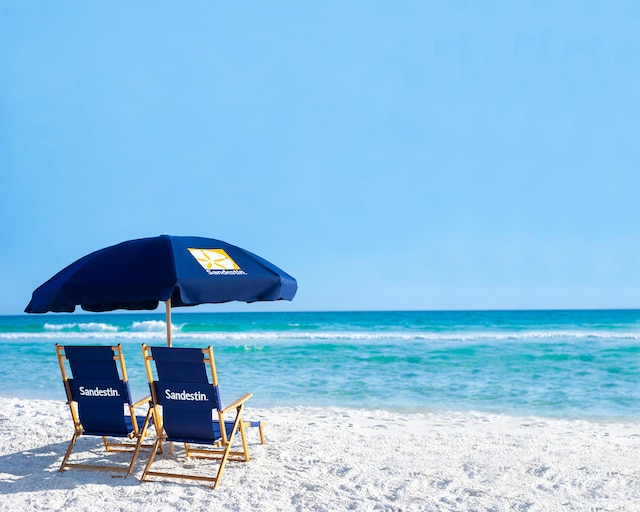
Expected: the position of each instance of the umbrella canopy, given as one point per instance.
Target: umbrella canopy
(179, 270)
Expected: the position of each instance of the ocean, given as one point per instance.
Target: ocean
(559, 364)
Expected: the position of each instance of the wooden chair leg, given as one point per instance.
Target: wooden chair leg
(260, 425)
(243, 438)
(69, 450)
(152, 456)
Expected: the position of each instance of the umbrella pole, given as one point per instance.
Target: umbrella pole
(167, 306)
(168, 315)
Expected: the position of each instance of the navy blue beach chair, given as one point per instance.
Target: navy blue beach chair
(188, 410)
(97, 388)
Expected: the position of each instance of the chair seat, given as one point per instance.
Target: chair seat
(216, 431)
(139, 420)
(111, 433)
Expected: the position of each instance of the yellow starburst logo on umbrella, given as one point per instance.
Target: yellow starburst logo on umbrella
(214, 259)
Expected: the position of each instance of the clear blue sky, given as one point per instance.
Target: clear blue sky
(388, 154)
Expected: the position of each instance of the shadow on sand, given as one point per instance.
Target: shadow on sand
(36, 469)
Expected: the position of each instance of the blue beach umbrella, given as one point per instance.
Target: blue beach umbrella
(178, 270)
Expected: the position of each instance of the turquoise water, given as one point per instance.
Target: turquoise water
(570, 364)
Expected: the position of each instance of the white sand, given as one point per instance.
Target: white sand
(339, 459)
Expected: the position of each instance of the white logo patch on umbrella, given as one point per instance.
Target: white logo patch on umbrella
(216, 262)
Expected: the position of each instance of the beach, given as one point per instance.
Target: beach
(343, 459)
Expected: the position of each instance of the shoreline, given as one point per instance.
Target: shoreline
(339, 459)
(397, 411)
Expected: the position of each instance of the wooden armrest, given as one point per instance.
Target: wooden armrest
(142, 401)
(237, 403)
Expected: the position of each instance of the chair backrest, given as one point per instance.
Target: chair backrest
(98, 385)
(188, 393)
